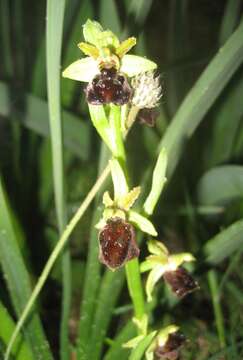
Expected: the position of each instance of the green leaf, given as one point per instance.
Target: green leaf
(142, 223)
(18, 281)
(224, 244)
(230, 19)
(220, 185)
(54, 30)
(133, 65)
(21, 350)
(82, 70)
(138, 352)
(116, 350)
(158, 182)
(202, 96)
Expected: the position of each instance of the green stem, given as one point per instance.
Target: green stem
(132, 267)
(213, 285)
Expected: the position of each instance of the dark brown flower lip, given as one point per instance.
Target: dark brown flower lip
(117, 243)
(181, 282)
(108, 87)
(170, 350)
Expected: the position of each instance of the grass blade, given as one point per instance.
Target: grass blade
(55, 18)
(18, 281)
(21, 350)
(230, 20)
(213, 285)
(202, 96)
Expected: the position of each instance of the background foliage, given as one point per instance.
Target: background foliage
(201, 211)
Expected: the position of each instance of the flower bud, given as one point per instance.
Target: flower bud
(117, 243)
(147, 90)
(180, 281)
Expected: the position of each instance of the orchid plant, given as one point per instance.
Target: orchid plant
(121, 89)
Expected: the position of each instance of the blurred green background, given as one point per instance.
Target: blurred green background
(198, 46)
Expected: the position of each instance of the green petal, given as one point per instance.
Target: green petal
(125, 46)
(82, 70)
(133, 65)
(142, 223)
(127, 201)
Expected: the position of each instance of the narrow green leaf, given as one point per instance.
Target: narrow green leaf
(230, 19)
(138, 352)
(36, 117)
(116, 350)
(224, 244)
(202, 96)
(108, 295)
(21, 350)
(158, 182)
(18, 281)
(55, 18)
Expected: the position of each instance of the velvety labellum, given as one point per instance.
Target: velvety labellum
(180, 281)
(108, 87)
(170, 350)
(117, 243)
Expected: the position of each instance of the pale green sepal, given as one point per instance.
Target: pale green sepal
(142, 223)
(139, 351)
(178, 259)
(119, 180)
(89, 49)
(127, 201)
(92, 31)
(158, 182)
(158, 248)
(155, 274)
(133, 65)
(125, 46)
(82, 70)
(100, 122)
